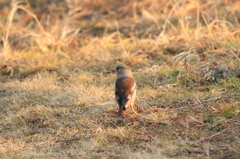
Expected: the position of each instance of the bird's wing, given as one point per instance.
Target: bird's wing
(124, 89)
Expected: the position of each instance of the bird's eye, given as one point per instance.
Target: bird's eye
(117, 68)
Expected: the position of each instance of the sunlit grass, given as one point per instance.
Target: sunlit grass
(57, 97)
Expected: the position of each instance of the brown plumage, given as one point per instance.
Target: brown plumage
(125, 88)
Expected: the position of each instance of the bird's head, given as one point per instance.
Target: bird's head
(122, 71)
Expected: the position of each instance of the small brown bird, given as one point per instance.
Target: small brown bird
(125, 89)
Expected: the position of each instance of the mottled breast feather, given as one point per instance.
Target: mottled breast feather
(124, 88)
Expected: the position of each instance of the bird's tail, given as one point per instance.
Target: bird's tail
(120, 114)
(122, 108)
(124, 103)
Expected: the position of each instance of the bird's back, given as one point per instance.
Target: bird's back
(124, 88)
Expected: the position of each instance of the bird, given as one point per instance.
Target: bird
(125, 89)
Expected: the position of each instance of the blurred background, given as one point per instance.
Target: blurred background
(51, 33)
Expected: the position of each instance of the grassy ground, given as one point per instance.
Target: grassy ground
(57, 99)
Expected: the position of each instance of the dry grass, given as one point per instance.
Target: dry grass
(57, 101)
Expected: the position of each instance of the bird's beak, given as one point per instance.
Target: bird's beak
(110, 71)
(114, 69)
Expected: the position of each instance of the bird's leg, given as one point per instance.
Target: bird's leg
(133, 110)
